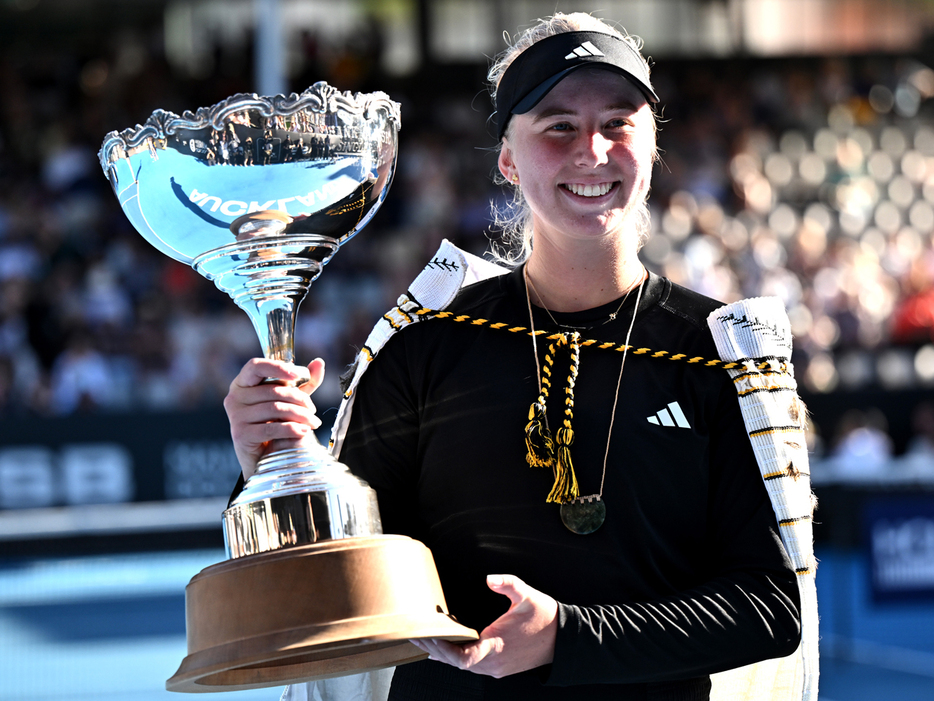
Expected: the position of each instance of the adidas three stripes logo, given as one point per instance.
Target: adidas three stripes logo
(585, 49)
(670, 416)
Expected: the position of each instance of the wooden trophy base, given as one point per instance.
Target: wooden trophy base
(312, 612)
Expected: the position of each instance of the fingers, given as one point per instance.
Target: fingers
(261, 412)
(522, 638)
(258, 370)
(269, 402)
(465, 656)
(278, 384)
(265, 406)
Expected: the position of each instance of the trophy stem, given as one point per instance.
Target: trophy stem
(300, 494)
(268, 277)
(274, 322)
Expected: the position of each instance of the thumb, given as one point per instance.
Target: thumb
(316, 375)
(508, 585)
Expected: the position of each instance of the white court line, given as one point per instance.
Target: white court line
(109, 519)
(125, 575)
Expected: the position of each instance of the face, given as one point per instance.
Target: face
(583, 157)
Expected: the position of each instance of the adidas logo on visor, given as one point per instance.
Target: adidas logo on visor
(670, 416)
(585, 49)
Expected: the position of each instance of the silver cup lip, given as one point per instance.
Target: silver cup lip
(323, 159)
(319, 97)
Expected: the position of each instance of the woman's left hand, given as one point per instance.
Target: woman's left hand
(522, 638)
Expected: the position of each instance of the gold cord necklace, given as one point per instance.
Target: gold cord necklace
(579, 514)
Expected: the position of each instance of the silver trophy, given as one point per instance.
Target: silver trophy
(256, 194)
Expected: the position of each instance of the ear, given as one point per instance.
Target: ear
(507, 166)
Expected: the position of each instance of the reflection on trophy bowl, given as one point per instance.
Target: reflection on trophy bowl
(257, 194)
(324, 159)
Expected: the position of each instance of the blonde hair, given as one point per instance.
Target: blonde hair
(514, 218)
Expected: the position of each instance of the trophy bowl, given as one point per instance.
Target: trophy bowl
(257, 194)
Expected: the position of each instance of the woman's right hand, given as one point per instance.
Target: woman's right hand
(264, 413)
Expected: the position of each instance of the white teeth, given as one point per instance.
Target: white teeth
(590, 190)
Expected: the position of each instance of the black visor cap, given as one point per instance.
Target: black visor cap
(545, 63)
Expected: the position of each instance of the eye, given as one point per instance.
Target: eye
(619, 123)
(560, 126)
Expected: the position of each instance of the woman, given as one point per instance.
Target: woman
(626, 507)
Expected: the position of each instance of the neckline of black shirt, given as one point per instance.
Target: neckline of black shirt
(595, 317)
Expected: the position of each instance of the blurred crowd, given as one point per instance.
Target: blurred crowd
(809, 179)
(813, 183)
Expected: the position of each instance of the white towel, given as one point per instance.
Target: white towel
(757, 333)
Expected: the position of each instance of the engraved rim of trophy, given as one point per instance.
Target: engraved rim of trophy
(257, 194)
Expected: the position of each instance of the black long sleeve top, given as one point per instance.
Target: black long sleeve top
(686, 577)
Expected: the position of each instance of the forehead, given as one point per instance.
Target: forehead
(592, 87)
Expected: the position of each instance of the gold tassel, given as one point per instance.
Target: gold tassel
(538, 440)
(565, 488)
(541, 447)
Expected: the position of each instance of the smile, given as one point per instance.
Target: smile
(597, 190)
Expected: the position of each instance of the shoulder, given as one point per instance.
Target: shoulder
(677, 319)
(685, 305)
(486, 294)
(491, 299)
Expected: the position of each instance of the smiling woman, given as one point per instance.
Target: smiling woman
(582, 158)
(535, 70)
(640, 554)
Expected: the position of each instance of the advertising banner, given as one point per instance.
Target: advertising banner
(900, 533)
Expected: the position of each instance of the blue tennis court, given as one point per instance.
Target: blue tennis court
(106, 627)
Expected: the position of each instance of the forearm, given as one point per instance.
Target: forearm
(727, 623)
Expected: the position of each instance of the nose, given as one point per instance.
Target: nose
(594, 149)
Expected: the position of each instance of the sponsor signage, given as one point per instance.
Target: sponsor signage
(900, 534)
(114, 459)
